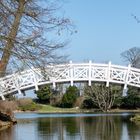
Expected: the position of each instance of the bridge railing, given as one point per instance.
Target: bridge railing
(71, 72)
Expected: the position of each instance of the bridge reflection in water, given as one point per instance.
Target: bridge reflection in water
(71, 72)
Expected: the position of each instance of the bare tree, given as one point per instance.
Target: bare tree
(132, 56)
(103, 96)
(26, 27)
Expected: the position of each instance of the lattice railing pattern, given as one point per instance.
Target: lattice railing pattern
(71, 72)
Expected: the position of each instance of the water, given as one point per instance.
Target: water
(110, 126)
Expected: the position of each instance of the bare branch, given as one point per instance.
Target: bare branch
(24, 29)
(132, 56)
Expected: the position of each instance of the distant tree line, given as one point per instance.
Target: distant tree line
(96, 96)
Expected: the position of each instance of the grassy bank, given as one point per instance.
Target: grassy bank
(52, 109)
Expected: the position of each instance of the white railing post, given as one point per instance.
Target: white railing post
(127, 76)
(108, 74)
(71, 73)
(35, 80)
(89, 76)
(17, 84)
(1, 93)
(54, 84)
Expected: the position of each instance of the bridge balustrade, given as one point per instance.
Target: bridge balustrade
(71, 72)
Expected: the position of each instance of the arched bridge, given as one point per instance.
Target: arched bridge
(71, 72)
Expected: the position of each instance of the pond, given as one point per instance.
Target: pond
(104, 126)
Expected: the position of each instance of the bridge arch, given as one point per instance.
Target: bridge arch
(70, 72)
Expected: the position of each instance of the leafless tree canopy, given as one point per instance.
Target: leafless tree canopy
(103, 96)
(132, 56)
(26, 27)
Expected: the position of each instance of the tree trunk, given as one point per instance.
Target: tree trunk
(11, 38)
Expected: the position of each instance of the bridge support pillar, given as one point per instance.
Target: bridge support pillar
(71, 82)
(19, 91)
(36, 87)
(125, 92)
(3, 98)
(127, 76)
(54, 85)
(125, 89)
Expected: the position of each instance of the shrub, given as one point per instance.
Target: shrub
(79, 101)
(88, 103)
(26, 104)
(69, 97)
(117, 102)
(136, 118)
(131, 102)
(56, 101)
(44, 94)
(8, 106)
(10, 97)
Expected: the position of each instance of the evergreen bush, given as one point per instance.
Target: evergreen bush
(44, 94)
(69, 97)
(131, 101)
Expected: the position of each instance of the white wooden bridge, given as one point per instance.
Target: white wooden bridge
(71, 72)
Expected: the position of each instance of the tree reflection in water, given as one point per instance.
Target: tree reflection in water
(58, 128)
(85, 128)
(108, 128)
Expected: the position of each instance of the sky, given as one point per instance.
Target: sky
(105, 29)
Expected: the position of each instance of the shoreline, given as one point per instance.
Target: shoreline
(76, 111)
